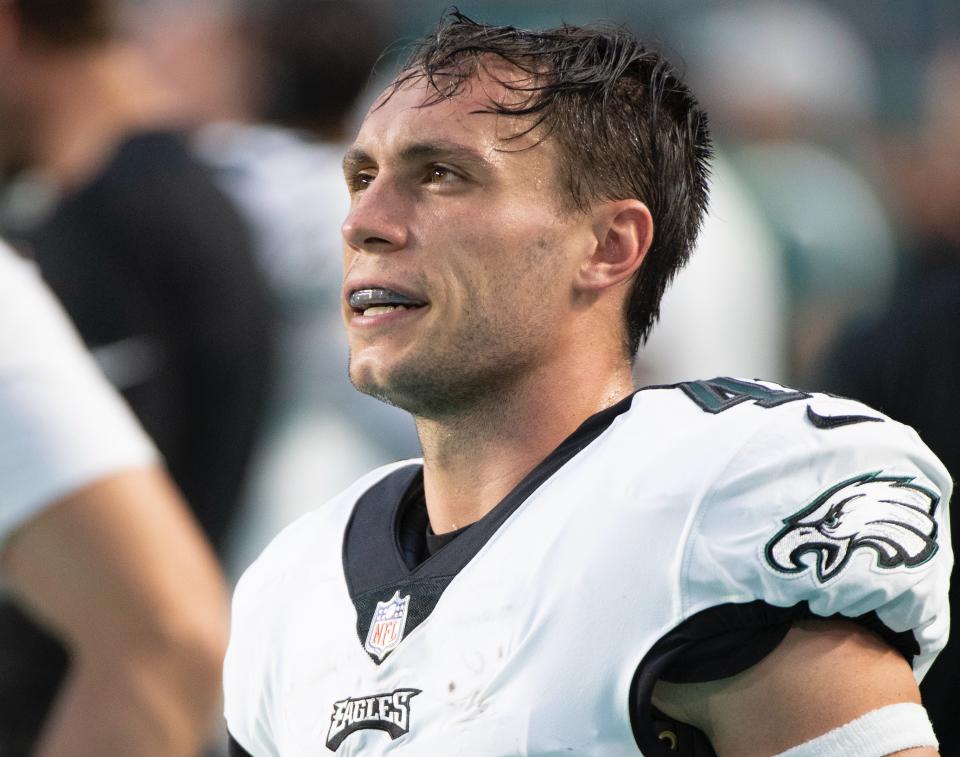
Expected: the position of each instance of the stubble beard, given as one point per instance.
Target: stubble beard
(445, 382)
(470, 374)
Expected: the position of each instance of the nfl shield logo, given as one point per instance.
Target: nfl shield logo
(386, 628)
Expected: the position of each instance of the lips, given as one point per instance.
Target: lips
(374, 300)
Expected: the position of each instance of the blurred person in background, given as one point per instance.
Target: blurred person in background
(271, 89)
(150, 259)
(96, 542)
(905, 360)
(791, 90)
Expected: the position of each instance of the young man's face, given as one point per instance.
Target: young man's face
(469, 227)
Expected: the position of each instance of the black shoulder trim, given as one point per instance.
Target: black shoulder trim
(234, 749)
(723, 641)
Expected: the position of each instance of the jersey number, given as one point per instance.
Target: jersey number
(719, 394)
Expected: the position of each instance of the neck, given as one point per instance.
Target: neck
(474, 460)
(86, 104)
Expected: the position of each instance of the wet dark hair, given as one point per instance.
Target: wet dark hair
(67, 23)
(626, 125)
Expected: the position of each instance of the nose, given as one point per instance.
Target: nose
(377, 221)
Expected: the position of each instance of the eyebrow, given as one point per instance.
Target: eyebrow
(420, 152)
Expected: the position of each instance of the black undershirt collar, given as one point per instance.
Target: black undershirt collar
(437, 541)
(417, 538)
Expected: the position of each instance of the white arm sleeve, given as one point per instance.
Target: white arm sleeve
(62, 426)
(851, 520)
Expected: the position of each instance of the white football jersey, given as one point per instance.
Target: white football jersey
(657, 527)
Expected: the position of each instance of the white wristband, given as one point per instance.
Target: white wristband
(876, 734)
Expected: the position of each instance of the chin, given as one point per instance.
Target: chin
(436, 383)
(426, 395)
(372, 378)
(365, 385)
(389, 392)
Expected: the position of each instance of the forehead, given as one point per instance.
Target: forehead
(413, 112)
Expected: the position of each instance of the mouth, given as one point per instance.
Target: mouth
(374, 301)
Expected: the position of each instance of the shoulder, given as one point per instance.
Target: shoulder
(27, 307)
(797, 504)
(297, 544)
(310, 546)
(754, 433)
(817, 500)
(755, 424)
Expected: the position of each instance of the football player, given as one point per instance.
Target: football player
(721, 567)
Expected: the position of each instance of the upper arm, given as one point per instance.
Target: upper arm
(119, 562)
(806, 522)
(119, 571)
(824, 674)
(850, 521)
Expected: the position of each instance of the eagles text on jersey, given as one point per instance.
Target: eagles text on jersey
(701, 516)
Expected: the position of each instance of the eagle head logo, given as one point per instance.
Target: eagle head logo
(888, 514)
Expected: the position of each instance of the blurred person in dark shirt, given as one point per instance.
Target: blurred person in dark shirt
(151, 261)
(272, 89)
(905, 360)
(97, 544)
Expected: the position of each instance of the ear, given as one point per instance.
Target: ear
(623, 230)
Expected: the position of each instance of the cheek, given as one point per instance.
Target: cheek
(515, 278)
(507, 258)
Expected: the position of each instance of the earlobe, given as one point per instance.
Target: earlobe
(624, 232)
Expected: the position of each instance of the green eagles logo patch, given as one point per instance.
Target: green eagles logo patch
(889, 515)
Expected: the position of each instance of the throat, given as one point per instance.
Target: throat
(468, 471)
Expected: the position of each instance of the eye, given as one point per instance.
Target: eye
(440, 175)
(360, 180)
